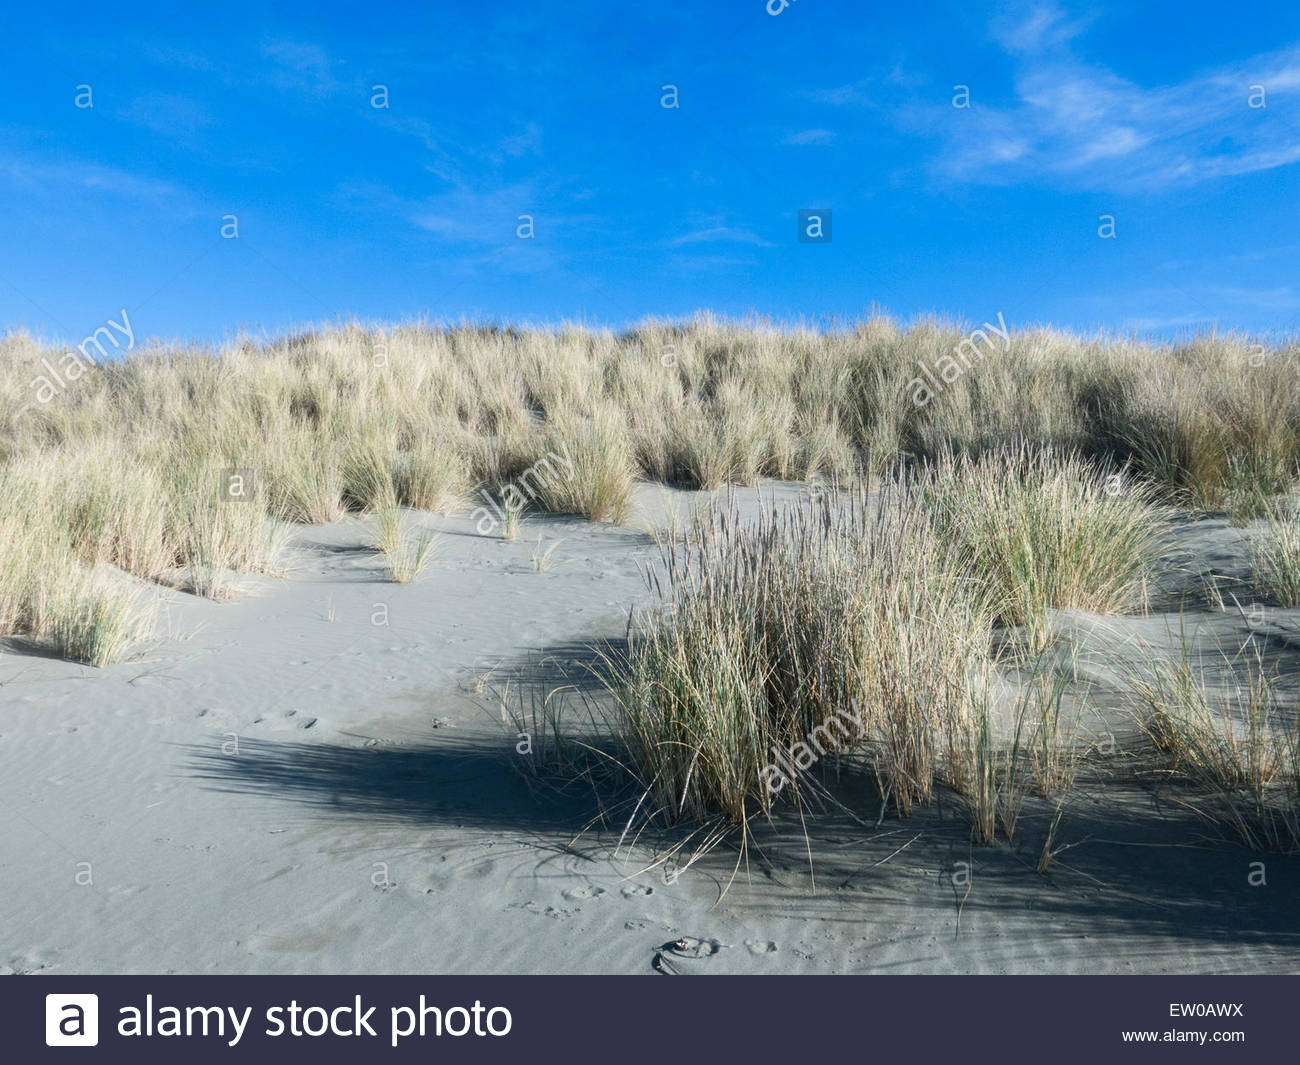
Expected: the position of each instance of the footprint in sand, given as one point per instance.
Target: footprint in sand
(686, 947)
(760, 946)
(475, 870)
(690, 947)
(22, 965)
(553, 912)
(636, 891)
(592, 892)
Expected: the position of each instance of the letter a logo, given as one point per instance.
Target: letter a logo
(71, 1020)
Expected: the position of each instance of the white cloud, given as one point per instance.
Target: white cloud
(299, 65)
(472, 216)
(168, 113)
(1080, 123)
(1278, 298)
(1036, 28)
(711, 263)
(93, 177)
(1075, 122)
(528, 142)
(840, 95)
(719, 235)
(811, 136)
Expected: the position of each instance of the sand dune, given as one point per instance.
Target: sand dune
(279, 784)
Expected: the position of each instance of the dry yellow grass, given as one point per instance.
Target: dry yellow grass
(123, 467)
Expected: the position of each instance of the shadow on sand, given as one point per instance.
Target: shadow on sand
(1133, 869)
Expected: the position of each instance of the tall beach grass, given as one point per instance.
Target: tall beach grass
(118, 467)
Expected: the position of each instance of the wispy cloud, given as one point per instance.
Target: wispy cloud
(1037, 27)
(1190, 303)
(719, 235)
(167, 113)
(480, 226)
(476, 216)
(300, 65)
(1278, 298)
(527, 142)
(869, 91)
(183, 58)
(700, 264)
(63, 174)
(1077, 123)
(807, 137)
(294, 67)
(1082, 123)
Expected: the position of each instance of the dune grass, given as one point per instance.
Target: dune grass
(47, 594)
(849, 634)
(820, 631)
(91, 622)
(411, 560)
(1046, 531)
(407, 560)
(344, 419)
(1277, 556)
(854, 634)
(1234, 741)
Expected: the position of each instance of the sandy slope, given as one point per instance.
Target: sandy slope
(370, 820)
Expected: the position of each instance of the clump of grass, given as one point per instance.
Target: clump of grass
(47, 593)
(1230, 743)
(406, 560)
(1050, 849)
(390, 533)
(88, 621)
(512, 509)
(412, 560)
(1044, 532)
(592, 474)
(1253, 489)
(1277, 556)
(541, 558)
(819, 632)
(366, 476)
(1181, 444)
(19, 573)
(214, 537)
(996, 774)
(307, 483)
(328, 426)
(114, 512)
(988, 778)
(430, 475)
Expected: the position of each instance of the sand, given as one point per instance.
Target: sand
(279, 784)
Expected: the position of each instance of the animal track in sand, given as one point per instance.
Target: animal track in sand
(691, 947)
(635, 891)
(553, 912)
(289, 719)
(761, 946)
(684, 947)
(592, 892)
(22, 966)
(479, 869)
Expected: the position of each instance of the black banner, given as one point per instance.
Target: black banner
(647, 1019)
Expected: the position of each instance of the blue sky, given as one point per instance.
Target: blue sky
(1142, 112)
